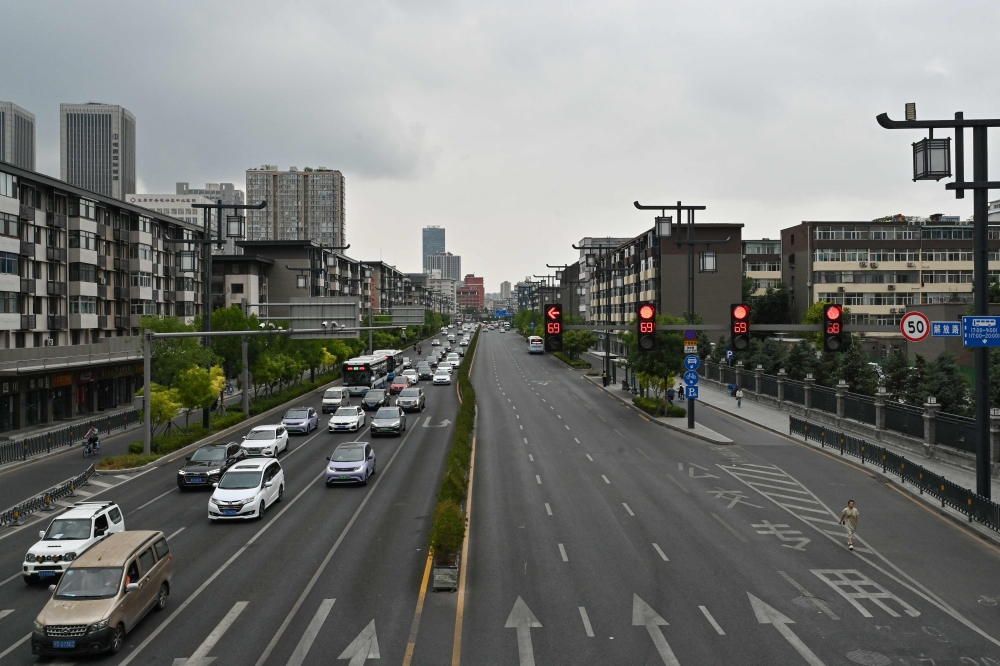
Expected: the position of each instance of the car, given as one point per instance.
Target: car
(425, 371)
(411, 399)
(406, 362)
(208, 463)
(353, 462)
(461, 351)
(411, 374)
(104, 594)
(398, 384)
(432, 360)
(453, 358)
(451, 337)
(266, 440)
(441, 377)
(464, 342)
(334, 398)
(246, 490)
(435, 343)
(301, 419)
(375, 398)
(445, 365)
(388, 420)
(503, 330)
(347, 419)
(69, 536)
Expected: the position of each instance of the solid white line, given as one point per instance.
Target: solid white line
(302, 649)
(657, 548)
(213, 638)
(711, 621)
(531, 457)
(101, 483)
(605, 479)
(576, 440)
(586, 622)
(14, 646)
(539, 479)
(627, 509)
(589, 458)
(5, 613)
(567, 427)
(4, 582)
(562, 551)
(152, 500)
(548, 510)
(176, 533)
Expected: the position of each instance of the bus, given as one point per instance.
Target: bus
(535, 345)
(394, 359)
(364, 373)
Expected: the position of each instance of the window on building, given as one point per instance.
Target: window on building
(300, 282)
(9, 302)
(8, 263)
(83, 208)
(84, 240)
(8, 185)
(83, 305)
(142, 223)
(185, 284)
(188, 308)
(79, 272)
(141, 307)
(9, 225)
(237, 287)
(141, 279)
(141, 251)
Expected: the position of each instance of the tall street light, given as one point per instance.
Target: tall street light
(932, 161)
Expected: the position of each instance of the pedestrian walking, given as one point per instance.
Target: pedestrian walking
(680, 393)
(849, 519)
(739, 397)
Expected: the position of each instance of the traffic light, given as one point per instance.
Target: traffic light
(739, 328)
(833, 328)
(553, 327)
(646, 313)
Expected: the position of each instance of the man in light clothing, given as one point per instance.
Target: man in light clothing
(739, 397)
(849, 519)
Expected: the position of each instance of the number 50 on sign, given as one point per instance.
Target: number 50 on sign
(914, 326)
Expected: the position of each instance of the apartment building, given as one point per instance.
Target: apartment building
(449, 264)
(879, 268)
(471, 293)
(302, 205)
(762, 263)
(387, 284)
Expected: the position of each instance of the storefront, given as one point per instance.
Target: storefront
(85, 393)
(8, 406)
(61, 397)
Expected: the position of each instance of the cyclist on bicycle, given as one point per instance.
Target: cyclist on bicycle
(93, 438)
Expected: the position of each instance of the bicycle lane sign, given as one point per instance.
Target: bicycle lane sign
(982, 331)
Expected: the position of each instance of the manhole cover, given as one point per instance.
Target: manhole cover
(868, 658)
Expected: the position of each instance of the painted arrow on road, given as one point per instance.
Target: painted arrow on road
(200, 656)
(644, 616)
(768, 615)
(443, 424)
(365, 646)
(522, 619)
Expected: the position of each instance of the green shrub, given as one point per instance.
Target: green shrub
(674, 410)
(128, 461)
(655, 407)
(448, 530)
(572, 362)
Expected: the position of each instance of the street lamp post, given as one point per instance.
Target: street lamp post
(932, 161)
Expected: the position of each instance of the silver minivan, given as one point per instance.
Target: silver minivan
(334, 398)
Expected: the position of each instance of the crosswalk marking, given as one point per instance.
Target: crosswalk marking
(95, 482)
(5, 613)
(302, 649)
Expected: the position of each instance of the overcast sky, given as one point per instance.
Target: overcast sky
(522, 126)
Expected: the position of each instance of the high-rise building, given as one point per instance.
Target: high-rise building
(301, 205)
(449, 264)
(214, 192)
(17, 136)
(433, 242)
(97, 148)
(505, 290)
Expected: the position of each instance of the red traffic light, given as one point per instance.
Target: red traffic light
(554, 312)
(834, 311)
(740, 312)
(647, 312)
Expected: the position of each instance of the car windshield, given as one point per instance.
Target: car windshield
(399, 380)
(209, 454)
(68, 529)
(261, 434)
(387, 413)
(441, 373)
(348, 454)
(296, 413)
(332, 393)
(346, 411)
(240, 480)
(90, 583)
(410, 393)
(376, 394)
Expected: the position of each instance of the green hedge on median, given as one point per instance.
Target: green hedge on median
(577, 363)
(448, 528)
(654, 407)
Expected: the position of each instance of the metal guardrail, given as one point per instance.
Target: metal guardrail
(975, 507)
(13, 516)
(31, 446)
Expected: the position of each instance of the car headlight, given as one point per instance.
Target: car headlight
(69, 557)
(360, 468)
(30, 557)
(97, 626)
(211, 500)
(214, 471)
(180, 472)
(39, 627)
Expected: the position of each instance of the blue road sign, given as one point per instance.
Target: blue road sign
(729, 354)
(692, 392)
(691, 336)
(532, 325)
(946, 329)
(501, 313)
(692, 362)
(691, 377)
(981, 331)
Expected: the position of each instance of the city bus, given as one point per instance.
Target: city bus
(364, 373)
(535, 345)
(393, 358)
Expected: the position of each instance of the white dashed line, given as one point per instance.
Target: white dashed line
(576, 440)
(711, 621)
(628, 509)
(660, 552)
(605, 479)
(538, 479)
(548, 509)
(586, 622)
(562, 551)
(531, 457)
(589, 458)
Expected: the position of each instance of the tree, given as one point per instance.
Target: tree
(916, 391)
(171, 356)
(704, 345)
(768, 353)
(719, 353)
(897, 372)
(946, 383)
(801, 360)
(576, 342)
(164, 405)
(747, 289)
(854, 369)
(664, 362)
(827, 370)
(197, 388)
(774, 306)
(229, 349)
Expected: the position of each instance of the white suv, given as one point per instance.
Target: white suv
(246, 490)
(68, 535)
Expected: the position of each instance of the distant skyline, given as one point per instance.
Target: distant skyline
(522, 127)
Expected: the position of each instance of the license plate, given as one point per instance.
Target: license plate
(196, 480)
(343, 478)
(46, 574)
(64, 644)
(229, 512)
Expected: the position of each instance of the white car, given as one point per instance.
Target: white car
(335, 397)
(347, 419)
(453, 358)
(435, 343)
(441, 377)
(266, 440)
(246, 490)
(68, 536)
(445, 365)
(411, 374)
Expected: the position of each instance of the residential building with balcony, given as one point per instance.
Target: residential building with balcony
(471, 293)
(387, 284)
(762, 263)
(449, 264)
(302, 205)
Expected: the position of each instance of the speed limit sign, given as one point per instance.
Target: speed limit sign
(914, 326)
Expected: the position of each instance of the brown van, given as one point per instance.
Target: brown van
(104, 594)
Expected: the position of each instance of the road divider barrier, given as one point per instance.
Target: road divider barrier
(13, 517)
(975, 507)
(23, 449)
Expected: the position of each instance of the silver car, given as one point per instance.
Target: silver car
(389, 421)
(411, 399)
(353, 462)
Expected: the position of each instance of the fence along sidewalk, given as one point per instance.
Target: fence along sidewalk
(31, 446)
(975, 507)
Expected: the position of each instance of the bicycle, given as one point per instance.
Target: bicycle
(92, 446)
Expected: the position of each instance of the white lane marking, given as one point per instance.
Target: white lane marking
(525, 440)
(199, 658)
(548, 509)
(576, 440)
(660, 552)
(302, 649)
(139, 508)
(508, 399)
(531, 457)
(627, 509)
(14, 646)
(680, 467)
(5, 613)
(539, 479)
(558, 416)
(589, 458)
(520, 426)
(551, 407)
(562, 552)
(122, 477)
(843, 580)
(586, 622)
(567, 427)
(176, 533)
(7, 580)
(517, 415)
(711, 621)
(364, 646)
(84, 493)
(513, 407)
(101, 483)
(605, 479)
(768, 615)
(820, 604)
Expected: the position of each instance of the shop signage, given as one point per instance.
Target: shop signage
(62, 380)
(85, 377)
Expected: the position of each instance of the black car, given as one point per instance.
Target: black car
(206, 465)
(375, 398)
(424, 371)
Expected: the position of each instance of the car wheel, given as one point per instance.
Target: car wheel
(365, 482)
(161, 598)
(374, 467)
(28, 580)
(117, 639)
(281, 492)
(261, 509)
